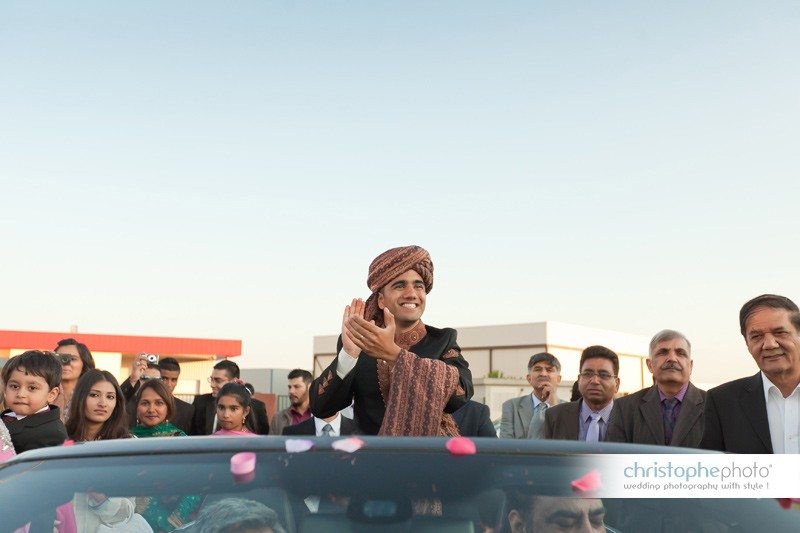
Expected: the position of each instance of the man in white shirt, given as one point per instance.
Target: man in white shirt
(333, 426)
(761, 413)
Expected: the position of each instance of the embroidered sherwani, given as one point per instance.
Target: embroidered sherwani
(369, 384)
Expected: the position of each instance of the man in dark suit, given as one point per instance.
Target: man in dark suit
(205, 408)
(334, 426)
(473, 420)
(671, 411)
(759, 414)
(588, 418)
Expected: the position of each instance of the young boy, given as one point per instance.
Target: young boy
(32, 381)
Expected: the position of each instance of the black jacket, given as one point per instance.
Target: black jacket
(329, 393)
(36, 431)
(307, 427)
(473, 420)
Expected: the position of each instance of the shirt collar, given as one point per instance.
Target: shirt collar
(605, 412)
(336, 424)
(681, 393)
(769, 385)
(12, 414)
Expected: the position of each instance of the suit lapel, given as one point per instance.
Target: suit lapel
(210, 411)
(754, 407)
(525, 413)
(650, 408)
(573, 412)
(691, 409)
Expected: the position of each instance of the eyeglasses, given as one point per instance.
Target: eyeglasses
(603, 375)
(217, 381)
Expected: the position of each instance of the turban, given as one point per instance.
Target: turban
(389, 265)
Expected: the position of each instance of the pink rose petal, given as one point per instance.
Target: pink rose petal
(298, 445)
(587, 483)
(461, 446)
(243, 463)
(68, 442)
(350, 445)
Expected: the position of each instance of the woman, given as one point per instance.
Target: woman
(233, 409)
(80, 362)
(154, 407)
(97, 412)
(6, 446)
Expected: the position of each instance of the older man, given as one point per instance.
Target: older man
(761, 413)
(671, 411)
(548, 514)
(523, 417)
(401, 375)
(587, 419)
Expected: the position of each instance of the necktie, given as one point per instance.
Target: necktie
(327, 429)
(669, 418)
(536, 428)
(593, 433)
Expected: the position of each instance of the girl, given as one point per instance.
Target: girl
(233, 408)
(80, 362)
(97, 412)
(154, 406)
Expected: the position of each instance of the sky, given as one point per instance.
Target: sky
(229, 170)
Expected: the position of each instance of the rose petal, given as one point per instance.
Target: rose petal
(785, 503)
(68, 442)
(243, 463)
(461, 446)
(350, 445)
(588, 483)
(298, 445)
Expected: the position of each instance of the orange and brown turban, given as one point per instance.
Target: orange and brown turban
(391, 264)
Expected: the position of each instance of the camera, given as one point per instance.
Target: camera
(64, 358)
(151, 358)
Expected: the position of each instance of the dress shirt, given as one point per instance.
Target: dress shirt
(12, 414)
(345, 363)
(586, 417)
(336, 424)
(680, 394)
(783, 415)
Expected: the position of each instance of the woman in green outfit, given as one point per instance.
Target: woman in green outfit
(154, 407)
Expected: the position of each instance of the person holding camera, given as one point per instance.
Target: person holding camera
(76, 360)
(139, 367)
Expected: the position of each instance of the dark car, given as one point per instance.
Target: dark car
(389, 484)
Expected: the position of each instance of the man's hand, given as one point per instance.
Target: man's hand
(137, 368)
(374, 341)
(544, 391)
(356, 308)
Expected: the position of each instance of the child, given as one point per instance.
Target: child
(233, 407)
(32, 382)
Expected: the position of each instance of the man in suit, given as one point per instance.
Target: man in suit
(204, 421)
(523, 417)
(333, 426)
(671, 411)
(384, 341)
(761, 413)
(298, 411)
(473, 420)
(587, 419)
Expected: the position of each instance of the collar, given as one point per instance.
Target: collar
(769, 385)
(12, 414)
(411, 337)
(537, 401)
(605, 412)
(336, 424)
(681, 393)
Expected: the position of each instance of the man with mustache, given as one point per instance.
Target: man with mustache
(671, 411)
(523, 417)
(761, 413)
(587, 419)
(298, 411)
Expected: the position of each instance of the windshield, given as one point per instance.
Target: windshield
(376, 488)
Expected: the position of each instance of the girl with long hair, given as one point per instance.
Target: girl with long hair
(233, 409)
(76, 360)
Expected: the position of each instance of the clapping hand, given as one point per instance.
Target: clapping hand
(375, 341)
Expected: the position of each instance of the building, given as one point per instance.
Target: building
(498, 356)
(116, 353)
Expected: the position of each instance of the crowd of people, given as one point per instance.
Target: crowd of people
(394, 375)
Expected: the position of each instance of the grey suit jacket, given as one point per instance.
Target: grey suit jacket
(637, 418)
(516, 421)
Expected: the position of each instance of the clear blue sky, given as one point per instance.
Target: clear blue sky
(230, 169)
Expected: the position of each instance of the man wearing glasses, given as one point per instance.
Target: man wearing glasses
(671, 411)
(587, 419)
(204, 421)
